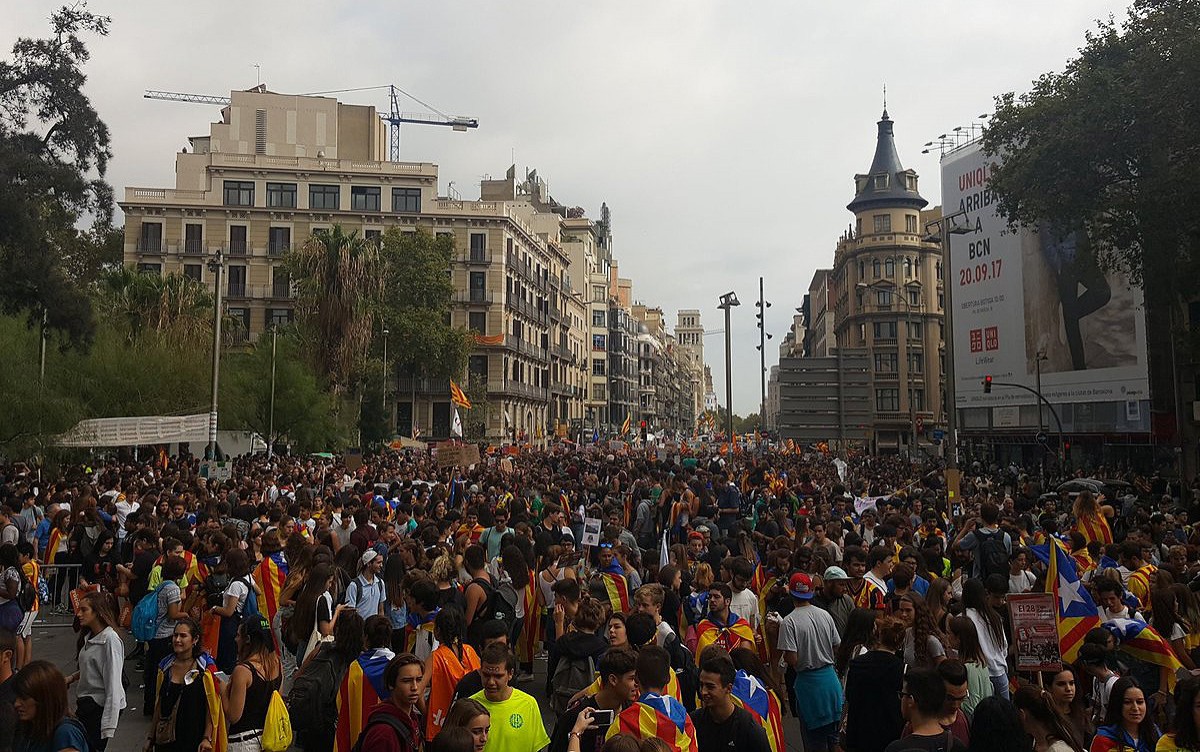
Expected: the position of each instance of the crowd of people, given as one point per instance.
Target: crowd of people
(682, 600)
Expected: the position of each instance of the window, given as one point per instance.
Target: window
(887, 400)
(598, 366)
(881, 182)
(237, 282)
(477, 282)
(281, 283)
(889, 267)
(278, 317)
(364, 198)
(373, 236)
(281, 195)
(599, 318)
(193, 272)
(477, 367)
(858, 227)
(875, 268)
(911, 182)
(883, 296)
(151, 237)
(883, 223)
(908, 268)
(239, 193)
(237, 240)
(914, 329)
(862, 269)
(916, 400)
(599, 342)
(242, 317)
(941, 301)
(406, 200)
(193, 238)
(910, 224)
(885, 362)
(323, 197)
(477, 321)
(916, 362)
(859, 299)
(884, 329)
(155, 269)
(478, 246)
(938, 269)
(914, 297)
(279, 240)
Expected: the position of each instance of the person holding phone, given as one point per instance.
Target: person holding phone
(582, 727)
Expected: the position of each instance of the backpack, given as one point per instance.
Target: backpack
(993, 557)
(26, 595)
(499, 604)
(251, 608)
(570, 676)
(143, 622)
(379, 719)
(277, 726)
(357, 581)
(215, 586)
(311, 702)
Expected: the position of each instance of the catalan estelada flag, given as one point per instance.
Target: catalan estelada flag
(657, 716)
(625, 425)
(1095, 529)
(361, 690)
(618, 591)
(418, 625)
(1141, 641)
(212, 696)
(1077, 612)
(761, 703)
(728, 636)
(269, 577)
(458, 397)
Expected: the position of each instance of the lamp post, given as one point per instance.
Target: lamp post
(387, 380)
(216, 265)
(728, 301)
(271, 419)
(763, 304)
(912, 411)
(945, 227)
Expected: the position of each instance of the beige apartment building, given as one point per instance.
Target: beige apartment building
(275, 168)
(886, 290)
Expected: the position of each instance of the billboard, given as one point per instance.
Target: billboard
(1026, 295)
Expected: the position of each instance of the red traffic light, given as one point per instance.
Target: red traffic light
(987, 384)
(643, 424)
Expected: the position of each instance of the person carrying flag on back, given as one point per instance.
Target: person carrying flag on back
(363, 686)
(612, 574)
(656, 714)
(721, 722)
(722, 627)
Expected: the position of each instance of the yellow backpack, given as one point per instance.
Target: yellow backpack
(277, 729)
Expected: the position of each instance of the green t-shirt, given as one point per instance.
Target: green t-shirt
(516, 724)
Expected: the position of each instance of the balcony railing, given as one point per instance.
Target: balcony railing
(476, 296)
(193, 247)
(237, 290)
(406, 384)
(238, 248)
(477, 257)
(278, 249)
(281, 291)
(150, 245)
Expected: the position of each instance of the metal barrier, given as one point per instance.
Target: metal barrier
(60, 579)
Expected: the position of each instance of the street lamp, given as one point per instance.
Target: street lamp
(763, 304)
(912, 412)
(216, 264)
(728, 301)
(271, 419)
(944, 228)
(387, 378)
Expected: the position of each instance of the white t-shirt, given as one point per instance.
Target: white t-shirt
(1022, 582)
(745, 604)
(239, 588)
(995, 652)
(10, 534)
(124, 509)
(1100, 694)
(11, 574)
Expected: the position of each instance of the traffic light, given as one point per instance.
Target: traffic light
(987, 384)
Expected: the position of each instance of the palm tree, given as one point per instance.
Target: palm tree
(337, 279)
(172, 305)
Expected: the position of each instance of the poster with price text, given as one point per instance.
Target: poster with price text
(1035, 631)
(1024, 296)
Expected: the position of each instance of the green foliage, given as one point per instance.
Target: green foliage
(304, 414)
(51, 142)
(373, 416)
(172, 305)
(415, 304)
(1108, 146)
(475, 420)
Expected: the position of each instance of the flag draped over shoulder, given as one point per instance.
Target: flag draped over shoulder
(709, 632)
(362, 689)
(212, 695)
(1095, 529)
(531, 632)
(52, 546)
(1077, 612)
(618, 591)
(269, 576)
(761, 703)
(656, 716)
(1141, 641)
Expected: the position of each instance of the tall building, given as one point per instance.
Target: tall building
(276, 167)
(689, 333)
(886, 288)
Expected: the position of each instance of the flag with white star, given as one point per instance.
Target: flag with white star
(1077, 612)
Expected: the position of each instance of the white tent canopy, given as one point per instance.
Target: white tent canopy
(137, 431)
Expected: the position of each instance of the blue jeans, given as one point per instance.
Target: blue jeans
(1000, 685)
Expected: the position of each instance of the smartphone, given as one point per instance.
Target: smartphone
(603, 717)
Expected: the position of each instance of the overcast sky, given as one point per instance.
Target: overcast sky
(723, 136)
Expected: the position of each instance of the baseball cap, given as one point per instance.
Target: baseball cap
(369, 556)
(800, 586)
(834, 574)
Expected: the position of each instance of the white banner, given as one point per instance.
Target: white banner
(1024, 297)
(137, 431)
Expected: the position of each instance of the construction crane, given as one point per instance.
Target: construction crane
(394, 117)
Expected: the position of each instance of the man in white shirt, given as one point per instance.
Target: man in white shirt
(880, 561)
(744, 602)
(1112, 601)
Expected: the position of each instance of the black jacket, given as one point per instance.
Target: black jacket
(873, 683)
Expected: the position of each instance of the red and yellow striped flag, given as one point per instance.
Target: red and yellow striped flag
(625, 425)
(531, 632)
(618, 591)
(729, 636)
(642, 721)
(361, 690)
(52, 546)
(269, 577)
(458, 397)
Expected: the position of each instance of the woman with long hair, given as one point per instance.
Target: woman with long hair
(247, 694)
(873, 683)
(450, 662)
(860, 634)
(1170, 623)
(315, 615)
(992, 637)
(996, 727)
(964, 639)
(101, 695)
(170, 610)
(187, 710)
(1128, 724)
(474, 717)
(40, 702)
(1091, 519)
(100, 565)
(233, 607)
(1063, 689)
(937, 600)
(1185, 726)
(922, 648)
(1046, 726)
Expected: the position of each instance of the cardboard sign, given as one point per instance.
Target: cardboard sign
(353, 459)
(1035, 631)
(216, 471)
(450, 454)
(591, 531)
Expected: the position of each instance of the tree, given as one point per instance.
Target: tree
(337, 279)
(172, 305)
(51, 141)
(475, 421)
(415, 305)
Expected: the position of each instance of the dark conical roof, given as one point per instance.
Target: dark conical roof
(895, 192)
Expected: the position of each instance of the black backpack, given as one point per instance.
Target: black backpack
(993, 556)
(26, 595)
(570, 676)
(380, 719)
(499, 604)
(312, 700)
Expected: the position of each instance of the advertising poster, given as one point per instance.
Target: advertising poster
(1026, 296)
(1035, 631)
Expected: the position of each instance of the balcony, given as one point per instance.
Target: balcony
(474, 296)
(482, 258)
(887, 376)
(422, 385)
(280, 291)
(515, 389)
(150, 245)
(237, 290)
(193, 247)
(278, 249)
(238, 248)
